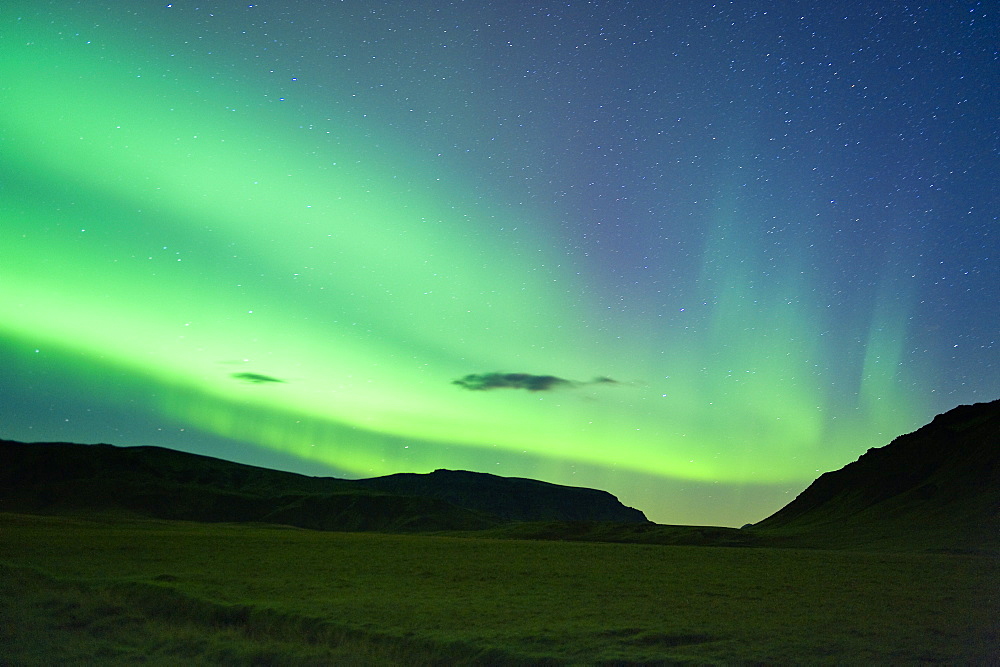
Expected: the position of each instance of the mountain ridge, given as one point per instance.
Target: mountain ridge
(169, 484)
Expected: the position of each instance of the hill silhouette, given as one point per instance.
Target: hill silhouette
(167, 484)
(936, 488)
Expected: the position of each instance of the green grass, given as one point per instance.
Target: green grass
(73, 590)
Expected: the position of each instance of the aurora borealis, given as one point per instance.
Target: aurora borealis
(691, 254)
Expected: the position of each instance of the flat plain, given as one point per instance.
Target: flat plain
(121, 591)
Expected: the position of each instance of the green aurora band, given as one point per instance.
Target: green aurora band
(174, 231)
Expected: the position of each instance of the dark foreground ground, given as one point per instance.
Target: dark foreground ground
(102, 591)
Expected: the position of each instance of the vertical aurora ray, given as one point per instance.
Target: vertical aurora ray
(186, 235)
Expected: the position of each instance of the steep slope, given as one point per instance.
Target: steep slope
(167, 484)
(938, 486)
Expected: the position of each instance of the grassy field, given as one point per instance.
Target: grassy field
(102, 592)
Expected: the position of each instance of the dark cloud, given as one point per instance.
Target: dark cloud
(485, 381)
(254, 378)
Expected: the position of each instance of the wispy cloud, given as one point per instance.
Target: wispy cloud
(528, 381)
(254, 378)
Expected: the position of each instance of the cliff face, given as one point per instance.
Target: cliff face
(944, 476)
(510, 498)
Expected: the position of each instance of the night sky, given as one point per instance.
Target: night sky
(693, 254)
